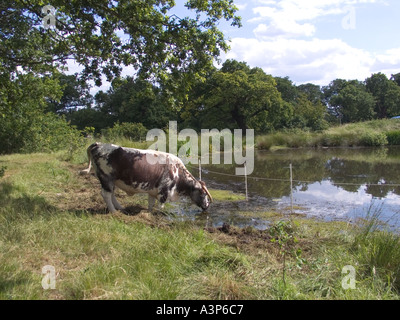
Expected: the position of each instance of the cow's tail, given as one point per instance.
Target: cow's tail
(90, 158)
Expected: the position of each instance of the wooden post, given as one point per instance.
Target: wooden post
(199, 169)
(291, 186)
(245, 180)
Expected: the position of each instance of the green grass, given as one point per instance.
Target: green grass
(50, 215)
(366, 134)
(226, 195)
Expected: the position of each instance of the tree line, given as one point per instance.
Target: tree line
(42, 108)
(233, 96)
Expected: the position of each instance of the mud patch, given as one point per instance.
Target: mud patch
(246, 239)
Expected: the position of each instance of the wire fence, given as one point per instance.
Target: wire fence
(206, 171)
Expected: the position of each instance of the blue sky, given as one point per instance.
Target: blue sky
(317, 41)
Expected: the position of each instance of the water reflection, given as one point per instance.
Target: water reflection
(331, 183)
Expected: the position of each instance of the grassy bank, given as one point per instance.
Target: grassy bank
(50, 215)
(366, 134)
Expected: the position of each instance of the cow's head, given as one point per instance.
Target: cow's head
(201, 196)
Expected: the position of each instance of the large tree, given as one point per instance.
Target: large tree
(354, 102)
(386, 93)
(134, 100)
(237, 96)
(104, 35)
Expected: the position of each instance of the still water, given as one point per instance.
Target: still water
(333, 184)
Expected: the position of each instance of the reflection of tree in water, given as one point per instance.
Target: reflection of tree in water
(357, 167)
(376, 175)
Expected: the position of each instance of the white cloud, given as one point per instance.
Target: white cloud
(294, 18)
(316, 61)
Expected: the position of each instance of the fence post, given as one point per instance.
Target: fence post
(245, 180)
(291, 186)
(199, 169)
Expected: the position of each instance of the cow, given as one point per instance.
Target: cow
(161, 175)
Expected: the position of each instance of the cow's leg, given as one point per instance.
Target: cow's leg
(116, 203)
(107, 190)
(107, 196)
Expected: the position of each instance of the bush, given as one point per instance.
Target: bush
(2, 171)
(373, 139)
(393, 138)
(129, 130)
(52, 133)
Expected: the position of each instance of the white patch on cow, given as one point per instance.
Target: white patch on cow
(173, 194)
(107, 148)
(104, 166)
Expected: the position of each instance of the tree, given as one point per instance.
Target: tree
(103, 35)
(330, 92)
(287, 89)
(386, 94)
(396, 78)
(312, 91)
(308, 114)
(237, 96)
(354, 102)
(24, 126)
(75, 95)
(134, 100)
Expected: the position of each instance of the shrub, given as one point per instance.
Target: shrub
(2, 171)
(52, 133)
(373, 139)
(393, 138)
(129, 130)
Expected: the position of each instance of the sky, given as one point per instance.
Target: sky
(312, 41)
(317, 41)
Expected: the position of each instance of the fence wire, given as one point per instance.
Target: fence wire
(288, 180)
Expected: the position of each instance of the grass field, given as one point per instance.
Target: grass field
(51, 215)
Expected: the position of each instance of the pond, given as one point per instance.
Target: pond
(334, 183)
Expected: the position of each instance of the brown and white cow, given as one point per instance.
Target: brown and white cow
(161, 175)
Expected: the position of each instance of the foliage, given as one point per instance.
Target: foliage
(349, 101)
(155, 41)
(51, 133)
(237, 96)
(393, 138)
(24, 124)
(373, 139)
(386, 93)
(370, 133)
(75, 95)
(308, 114)
(22, 102)
(134, 131)
(283, 233)
(377, 249)
(2, 171)
(134, 100)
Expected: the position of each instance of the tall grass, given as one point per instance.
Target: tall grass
(367, 134)
(378, 249)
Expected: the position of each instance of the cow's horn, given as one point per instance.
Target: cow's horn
(208, 193)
